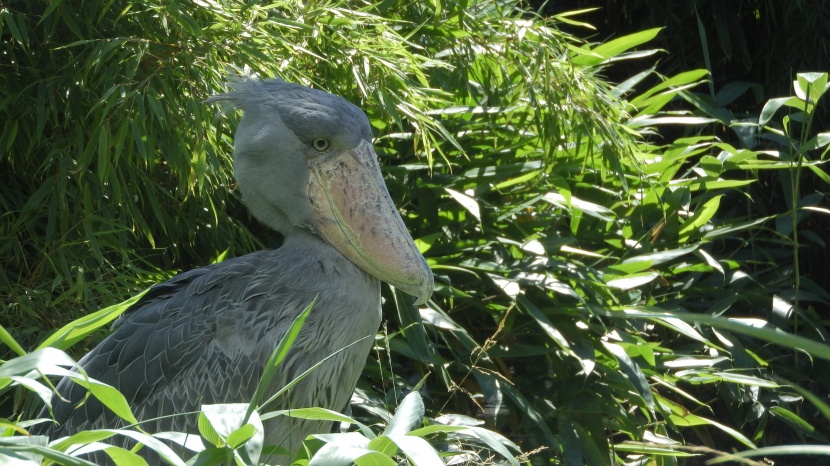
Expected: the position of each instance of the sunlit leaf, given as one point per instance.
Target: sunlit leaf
(632, 281)
(634, 373)
(76, 330)
(409, 414)
(784, 450)
(467, 202)
(615, 47)
(693, 420)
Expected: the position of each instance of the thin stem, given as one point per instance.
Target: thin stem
(798, 160)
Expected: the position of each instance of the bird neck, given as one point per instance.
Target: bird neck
(301, 237)
(309, 248)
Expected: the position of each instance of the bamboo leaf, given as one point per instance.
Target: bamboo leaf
(615, 47)
(700, 218)
(634, 373)
(79, 329)
(409, 414)
(785, 450)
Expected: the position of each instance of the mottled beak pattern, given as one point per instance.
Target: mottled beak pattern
(354, 213)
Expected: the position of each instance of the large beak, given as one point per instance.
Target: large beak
(354, 213)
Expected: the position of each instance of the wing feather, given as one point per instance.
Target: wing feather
(153, 344)
(204, 336)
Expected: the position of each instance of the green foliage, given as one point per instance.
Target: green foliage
(604, 294)
(234, 433)
(404, 436)
(743, 42)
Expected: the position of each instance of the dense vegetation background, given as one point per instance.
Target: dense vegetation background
(629, 241)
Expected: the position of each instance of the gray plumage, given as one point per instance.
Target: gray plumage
(203, 336)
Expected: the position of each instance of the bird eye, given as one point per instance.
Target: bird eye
(320, 144)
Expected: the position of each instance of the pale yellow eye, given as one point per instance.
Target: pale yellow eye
(320, 144)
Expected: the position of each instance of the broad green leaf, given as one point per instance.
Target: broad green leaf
(683, 328)
(9, 428)
(530, 411)
(434, 428)
(467, 202)
(190, 441)
(332, 454)
(156, 445)
(320, 414)
(745, 379)
(700, 218)
(79, 329)
(341, 449)
(9, 341)
(374, 458)
(22, 450)
(43, 392)
(810, 86)
(234, 426)
(703, 185)
(208, 432)
(824, 176)
(518, 180)
(685, 362)
(409, 414)
(571, 445)
(88, 438)
(680, 80)
(545, 323)
(31, 451)
(783, 450)
(383, 445)
(497, 443)
(46, 360)
(438, 318)
(822, 406)
(125, 457)
(772, 106)
(241, 435)
(614, 47)
(792, 418)
(710, 260)
(210, 456)
(418, 450)
(762, 331)
(816, 142)
(632, 281)
(83, 438)
(633, 372)
(111, 398)
(669, 120)
(735, 227)
(644, 351)
(652, 449)
(589, 208)
(661, 257)
(690, 420)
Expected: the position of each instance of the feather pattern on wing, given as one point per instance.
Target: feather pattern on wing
(203, 337)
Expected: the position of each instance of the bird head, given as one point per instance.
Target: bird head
(304, 161)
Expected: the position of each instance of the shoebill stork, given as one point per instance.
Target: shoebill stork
(304, 162)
